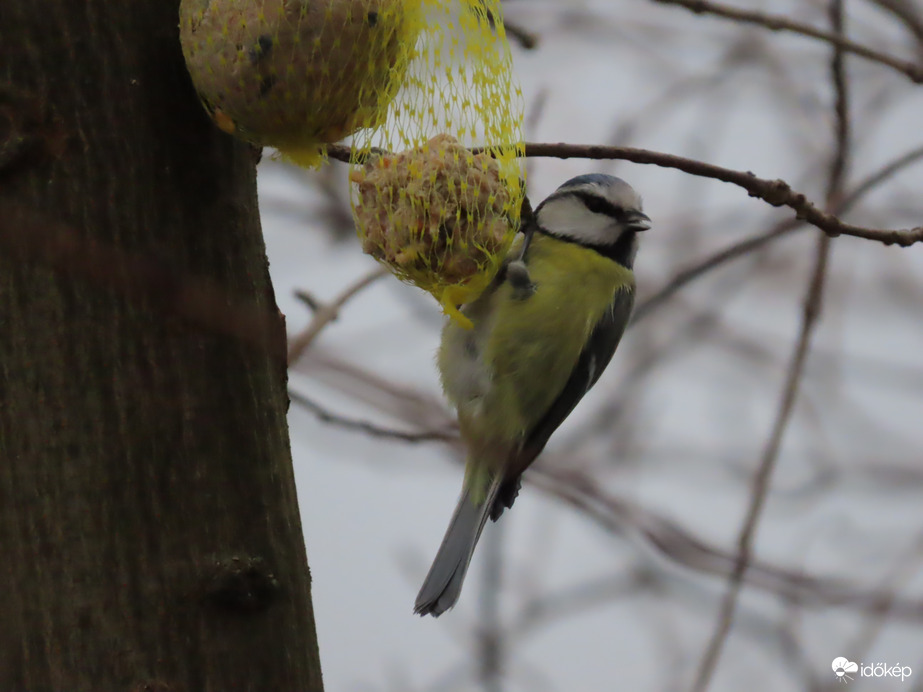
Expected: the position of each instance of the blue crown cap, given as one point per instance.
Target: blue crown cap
(592, 179)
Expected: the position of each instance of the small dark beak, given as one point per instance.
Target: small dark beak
(638, 221)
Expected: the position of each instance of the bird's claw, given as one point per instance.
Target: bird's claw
(518, 275)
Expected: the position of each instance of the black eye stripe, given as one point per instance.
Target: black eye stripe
(599, 205)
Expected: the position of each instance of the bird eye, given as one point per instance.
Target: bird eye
(598, 205)
(595, 205)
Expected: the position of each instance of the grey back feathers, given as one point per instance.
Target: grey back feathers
(593, 210)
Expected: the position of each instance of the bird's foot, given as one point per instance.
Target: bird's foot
(518, 275)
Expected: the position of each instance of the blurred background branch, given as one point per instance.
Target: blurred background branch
(912, 70)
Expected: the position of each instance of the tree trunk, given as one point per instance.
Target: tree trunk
(149, 530)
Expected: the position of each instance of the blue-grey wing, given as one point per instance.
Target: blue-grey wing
(592, 361)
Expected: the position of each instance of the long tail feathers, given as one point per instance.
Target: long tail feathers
(443, 583)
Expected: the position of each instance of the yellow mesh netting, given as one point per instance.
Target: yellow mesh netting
(296, 74)
(439, 215)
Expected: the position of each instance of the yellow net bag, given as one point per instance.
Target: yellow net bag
(296, 74)
(438, 185)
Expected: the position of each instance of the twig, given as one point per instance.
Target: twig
(907, 13)
(900, 575)
(777, 193)
(526, 39)
(414, 406)
(842, 126)
(766, 466)
(881, 175)
(812, 309)
(312, 303)
(912, 70)
(523, 36)
(619, 516)
(739, 249)
(586, 596)
(686, 276)
(326, 313)
(490, 634)
(366, 427)
(764, 473)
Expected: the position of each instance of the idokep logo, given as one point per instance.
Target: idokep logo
(842, 667)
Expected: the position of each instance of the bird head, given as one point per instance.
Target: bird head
(598, 211)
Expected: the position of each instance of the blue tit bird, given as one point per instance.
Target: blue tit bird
(543, 333)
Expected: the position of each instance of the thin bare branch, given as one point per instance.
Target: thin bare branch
(521, 35)
(491, 641)
(587, 595)
(744, 247)
(690, 274)
(842, 126)
(898, 577)
(312, 303)
(326, 313)
(415, 406)
(908, 14)
(811, 313)
(766, 467)
(881, 175)
(326, 416)
(620, 516)
(773, 22)
(777, 193)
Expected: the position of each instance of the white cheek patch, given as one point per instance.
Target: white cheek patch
(568, 217)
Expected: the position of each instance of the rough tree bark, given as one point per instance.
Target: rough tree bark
(149, 530)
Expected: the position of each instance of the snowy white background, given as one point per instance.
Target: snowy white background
(679, 436)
